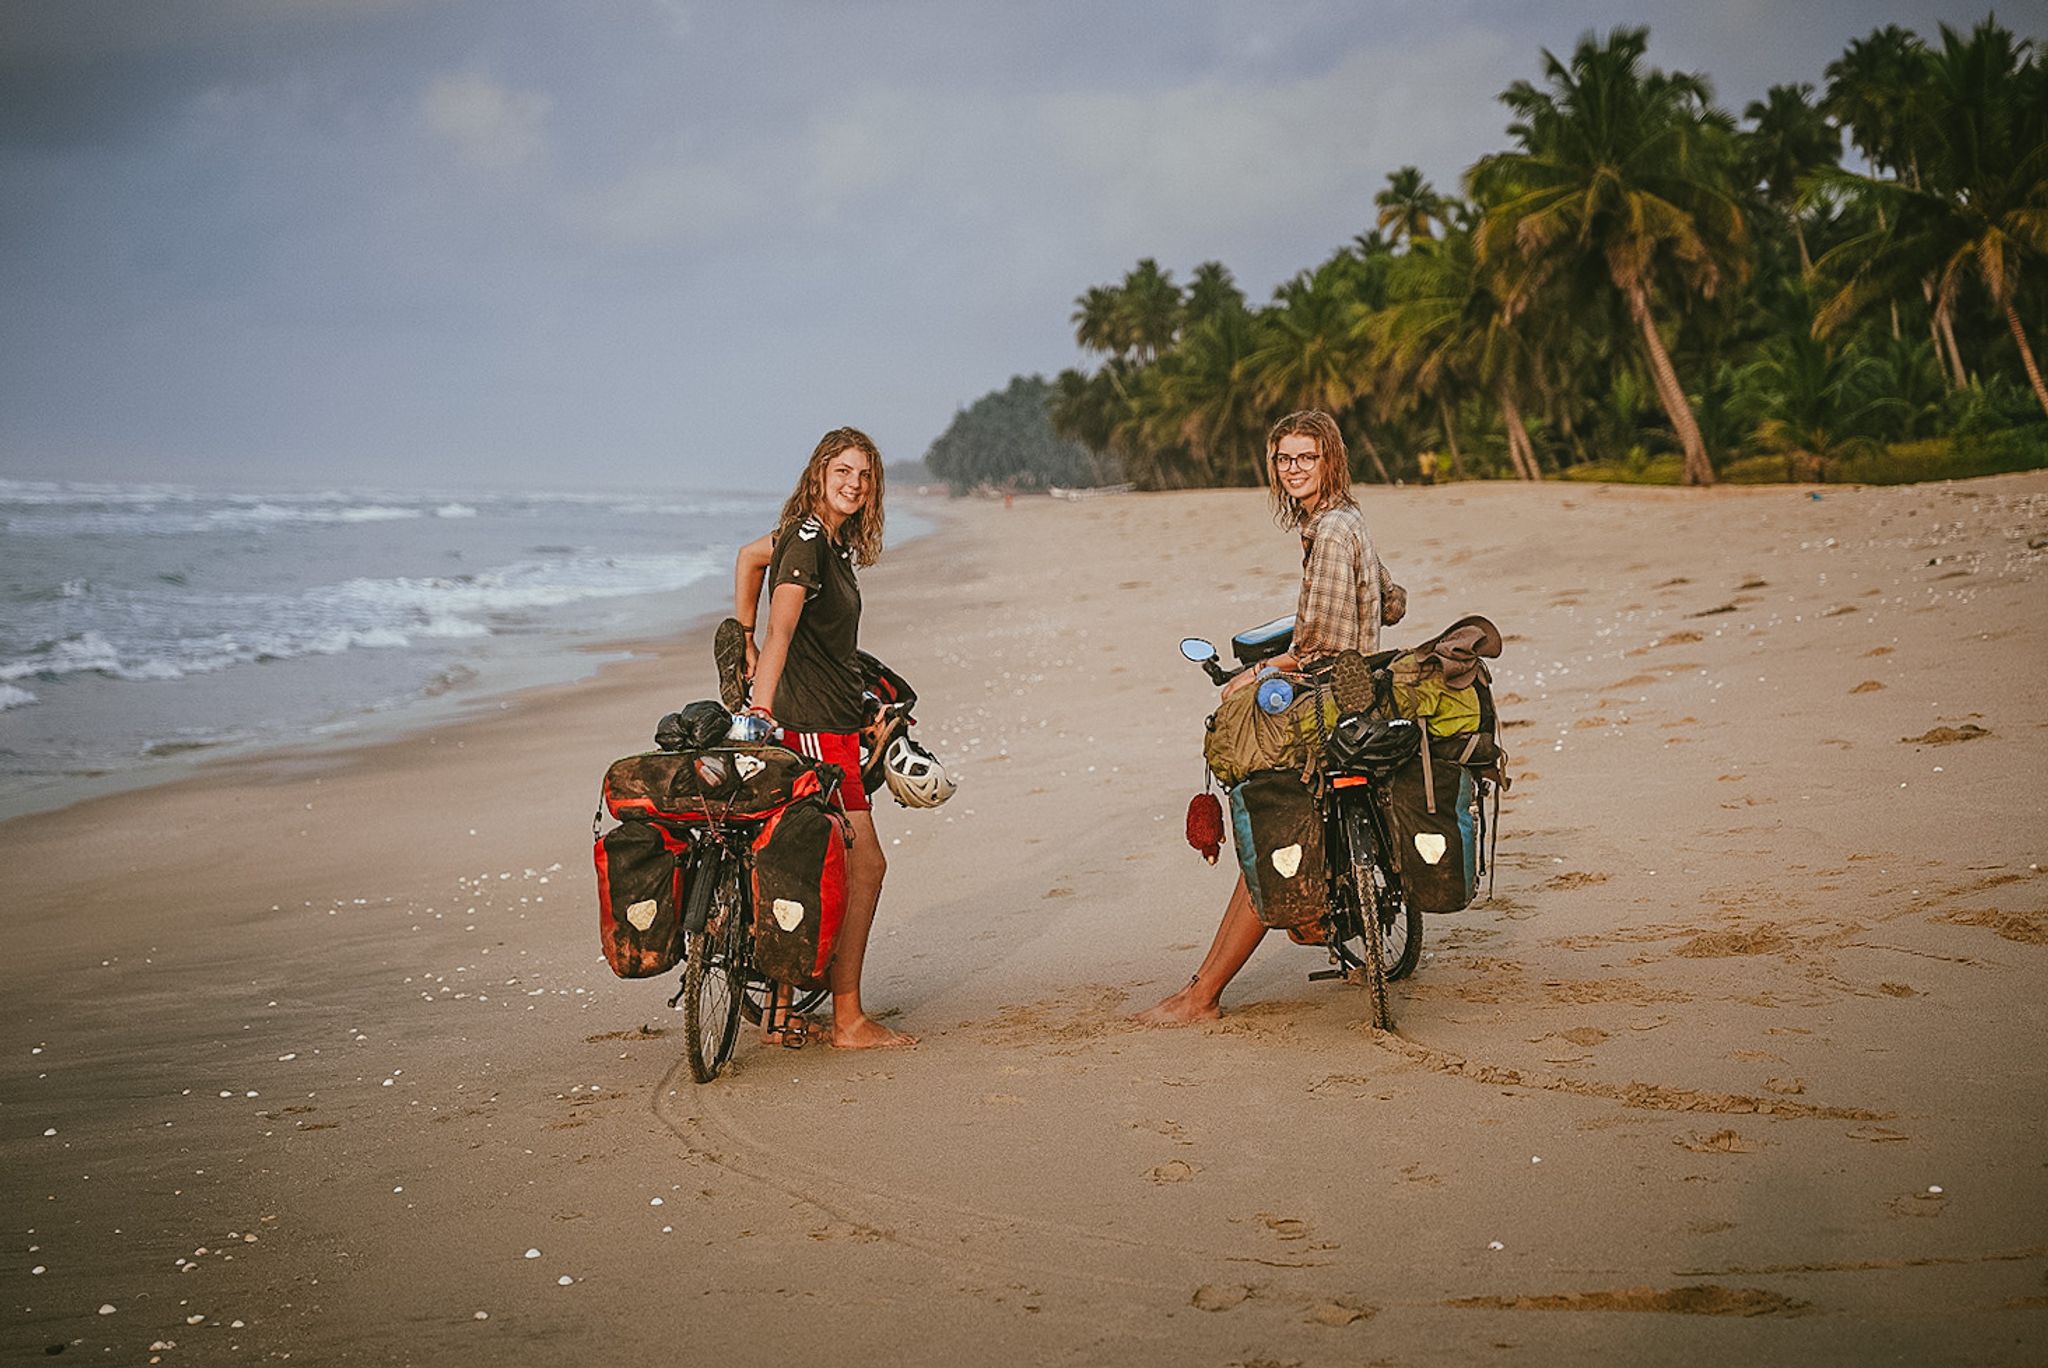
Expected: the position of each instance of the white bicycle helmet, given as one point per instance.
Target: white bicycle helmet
(915, 775)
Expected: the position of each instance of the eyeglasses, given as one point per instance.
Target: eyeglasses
(1284, 462)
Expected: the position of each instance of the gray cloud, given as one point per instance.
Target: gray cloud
(476, 240)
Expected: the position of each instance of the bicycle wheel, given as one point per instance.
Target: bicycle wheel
(1400, 924)
(718, 962)
(1362, 945)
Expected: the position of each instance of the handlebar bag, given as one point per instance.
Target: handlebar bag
(640, 898)
(799, 892)
(737, 782)
(1244, 738)
(1278, 831)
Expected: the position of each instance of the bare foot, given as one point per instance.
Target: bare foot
(865, 1033)
(1178, 1010)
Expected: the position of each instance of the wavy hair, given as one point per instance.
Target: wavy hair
(1287, 510)
(863, 531)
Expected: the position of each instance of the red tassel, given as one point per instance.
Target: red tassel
(1205, 825)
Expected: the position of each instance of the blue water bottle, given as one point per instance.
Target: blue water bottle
(1274, 693)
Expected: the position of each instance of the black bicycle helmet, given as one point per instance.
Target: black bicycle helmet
(1369, 745)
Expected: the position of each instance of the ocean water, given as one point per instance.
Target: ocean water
(144, 625)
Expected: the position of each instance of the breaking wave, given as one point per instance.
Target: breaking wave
(158, 636)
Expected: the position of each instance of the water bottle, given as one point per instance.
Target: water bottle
(1274, 693)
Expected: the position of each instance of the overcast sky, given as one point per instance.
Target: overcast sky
(497, 243)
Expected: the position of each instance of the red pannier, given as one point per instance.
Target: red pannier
(640, 898)
(799, 892)
(736, 782)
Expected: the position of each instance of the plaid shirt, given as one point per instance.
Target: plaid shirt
(1339, 607)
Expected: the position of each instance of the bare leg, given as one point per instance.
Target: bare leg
(1236, 938)
(865, 866)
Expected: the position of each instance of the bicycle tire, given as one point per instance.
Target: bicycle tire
(716, 965)
(1400, 924)
(1366, 895)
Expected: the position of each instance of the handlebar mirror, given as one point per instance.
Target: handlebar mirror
(1198, 650)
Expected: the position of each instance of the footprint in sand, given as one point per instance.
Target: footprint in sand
(1919, 1204)
(1173, 1171)
(1338, 1314)
(1285, 1227)
(1867, 686)
(1720, 1142)
(1210, 1297)
(1946, 736)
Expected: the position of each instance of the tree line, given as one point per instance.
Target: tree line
(1639, 280)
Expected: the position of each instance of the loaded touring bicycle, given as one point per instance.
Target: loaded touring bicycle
(1358, 791)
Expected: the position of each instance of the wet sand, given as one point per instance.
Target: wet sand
(306, 1055)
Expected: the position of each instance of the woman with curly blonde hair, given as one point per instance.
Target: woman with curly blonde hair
(807, 677)
(1340, 608)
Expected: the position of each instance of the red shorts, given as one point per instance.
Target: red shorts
(834, 748)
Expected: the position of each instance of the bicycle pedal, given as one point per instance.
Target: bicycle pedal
(1321, 974)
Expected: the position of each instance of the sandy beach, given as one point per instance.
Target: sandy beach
(314, 1057)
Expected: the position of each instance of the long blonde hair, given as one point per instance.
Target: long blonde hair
(1336, 463)
(862, 532)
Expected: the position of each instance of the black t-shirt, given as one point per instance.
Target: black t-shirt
(821, 680)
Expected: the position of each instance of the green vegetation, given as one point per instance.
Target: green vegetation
(1005, 440)
(1641, 287)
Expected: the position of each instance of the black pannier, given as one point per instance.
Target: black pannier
(799, 892)
(640, 898)
(1278, 831)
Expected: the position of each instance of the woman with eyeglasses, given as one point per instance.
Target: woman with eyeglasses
(1339, 609)
(807, 678)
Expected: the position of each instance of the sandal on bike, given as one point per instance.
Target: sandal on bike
(781, 1026)
(729, 654)
(1353, 680)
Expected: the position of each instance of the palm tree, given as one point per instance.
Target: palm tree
(1098, 321)
(1444, 329)
(1150, 309)
(1812, 403)
(1876, 89)
(1211, 291)
(1978, 208)
(1625, 166)
(1408, 205)
(1873, 90)
(1209, 388)
(1791, 140)
(1310, 357)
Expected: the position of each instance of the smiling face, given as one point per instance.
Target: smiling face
(848, 480)
(1298, 467)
